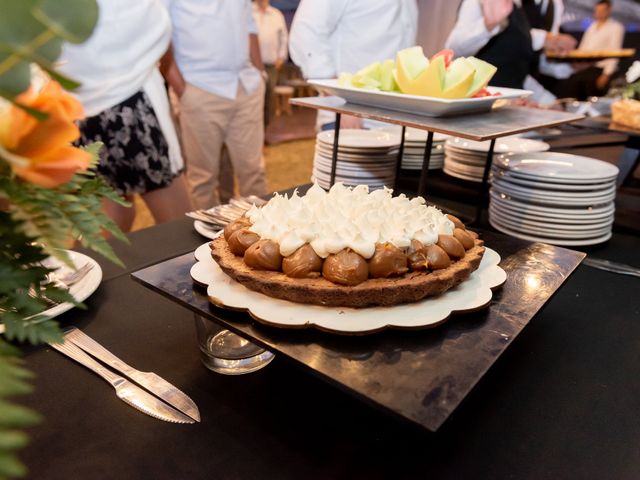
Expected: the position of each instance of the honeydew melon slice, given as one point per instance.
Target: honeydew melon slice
(387, 82)
(458, 79)
(412, 61)
(484, 73)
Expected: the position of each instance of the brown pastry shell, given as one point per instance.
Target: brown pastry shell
(411, 287)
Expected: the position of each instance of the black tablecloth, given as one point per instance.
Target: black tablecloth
(562, 402)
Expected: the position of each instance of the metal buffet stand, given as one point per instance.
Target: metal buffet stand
(499, 122)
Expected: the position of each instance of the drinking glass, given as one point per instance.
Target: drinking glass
(225, 352)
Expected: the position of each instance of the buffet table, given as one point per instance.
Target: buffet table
(561, 402)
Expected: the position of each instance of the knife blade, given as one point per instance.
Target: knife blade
(125, 390)
(149, 380)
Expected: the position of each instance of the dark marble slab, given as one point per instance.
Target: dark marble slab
(474, 126)
(421, 376)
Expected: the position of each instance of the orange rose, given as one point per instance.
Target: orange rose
(40, 151)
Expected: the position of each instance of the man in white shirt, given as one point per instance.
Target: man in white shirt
(217, 73)
(329, 37)
(603, 34)
(272, 34)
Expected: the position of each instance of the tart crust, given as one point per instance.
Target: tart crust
(411, 287)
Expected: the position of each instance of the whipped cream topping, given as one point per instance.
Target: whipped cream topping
(347, 218)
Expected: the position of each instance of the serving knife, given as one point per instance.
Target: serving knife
(125, 390)
(149, 380)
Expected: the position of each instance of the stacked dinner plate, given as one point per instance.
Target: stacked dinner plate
(553, 198)
(415, 142)
(365, 157)
(466, 159)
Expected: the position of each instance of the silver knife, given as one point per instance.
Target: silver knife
(125, 390)
(152, 382)
(612, 266)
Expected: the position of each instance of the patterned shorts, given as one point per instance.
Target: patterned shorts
(135, 156)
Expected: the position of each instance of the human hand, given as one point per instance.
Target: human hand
(495, 12)
(559, 42)
(602, 81)
(347, 121)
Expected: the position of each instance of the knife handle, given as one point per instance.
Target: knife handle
(70, 350)
(88, 344)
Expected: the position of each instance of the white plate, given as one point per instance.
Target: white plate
(367, 162)
(553, 241)
(525, 207)
(549, 233)
(471, 294)
(328, 152)
(463, 176)
(562, 166)
(510, 144)
(466, 156)
(553, 218)
(525, 181)
(552, 194)
(81, 290)
(364, 174)
(429, 106)
(542, 199)
(549, 229)
(358, 157)
(358, 138)
(357, 166)
(465, 164)
(203, 230)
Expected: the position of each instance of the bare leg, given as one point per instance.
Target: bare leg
(170, 202)
(123, 216)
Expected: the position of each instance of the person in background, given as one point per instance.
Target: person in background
(588, 79)
(216, 71)
(272, 35)
(329, 37)
(504, 37)
(127, 109)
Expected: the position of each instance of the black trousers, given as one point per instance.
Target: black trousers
(580, 85)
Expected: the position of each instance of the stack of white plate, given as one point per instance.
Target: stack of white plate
(365, 157)
(466, 159)
(415, 141)
(553, 198)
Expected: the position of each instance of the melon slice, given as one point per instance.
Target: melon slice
(387, 82)
(411, 61)
(484, 73)
(458, 79)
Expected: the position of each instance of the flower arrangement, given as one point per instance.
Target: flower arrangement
(633, 82)
(49, 195)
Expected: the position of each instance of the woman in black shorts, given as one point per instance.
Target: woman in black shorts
(127, 108)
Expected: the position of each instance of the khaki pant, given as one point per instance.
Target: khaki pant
(209, 122)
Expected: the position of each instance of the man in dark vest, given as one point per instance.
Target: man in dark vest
(499, 32)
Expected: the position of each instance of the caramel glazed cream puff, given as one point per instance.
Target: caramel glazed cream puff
(348, 247)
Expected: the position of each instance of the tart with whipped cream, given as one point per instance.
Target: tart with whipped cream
(348, 247)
